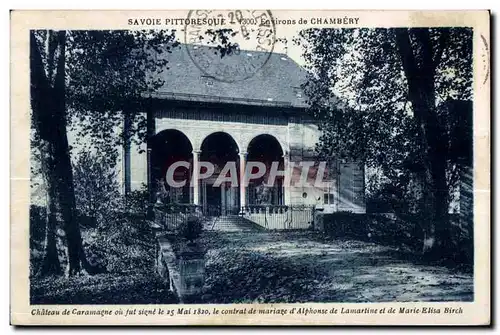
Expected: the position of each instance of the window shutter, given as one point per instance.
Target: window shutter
(351, 188)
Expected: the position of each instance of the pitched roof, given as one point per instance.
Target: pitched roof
(276, 83)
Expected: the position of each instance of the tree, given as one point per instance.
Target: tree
(379, 94)
(87, 74)
(101, 79)
(48, 107)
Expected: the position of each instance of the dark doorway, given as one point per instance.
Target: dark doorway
(168, 147)
(220, 148)
(266, 149)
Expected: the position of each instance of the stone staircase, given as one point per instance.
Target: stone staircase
(230, 223)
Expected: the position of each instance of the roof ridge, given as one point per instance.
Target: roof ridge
(241, 50)
(274, 83)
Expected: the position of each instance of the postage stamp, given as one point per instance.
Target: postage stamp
(250, 167)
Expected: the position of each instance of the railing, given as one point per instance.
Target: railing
(280, 217)
(179, 208)
(275, 217)
(301, 217)
(169, 216)
(215, 210)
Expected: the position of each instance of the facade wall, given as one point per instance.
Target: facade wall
(297, 139)
(199, 124)
(136, 167)
(303, 137)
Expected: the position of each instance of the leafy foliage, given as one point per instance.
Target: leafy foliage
(114, 240)
(358, 90)
(109, 75)
(96, 185)
(190, 228)
(88, 76)
(137, 200)
(221, 41)
(120, 244)
(403, 231)
(95, 81)
(37, 236)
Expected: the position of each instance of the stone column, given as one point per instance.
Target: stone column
(287, 179)
(243, 188)
(196, 175)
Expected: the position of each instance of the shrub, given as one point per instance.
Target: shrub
(121, 244)
(385, 229)
(96, 186)
(190, 229)
(137, 201)
(37, 237)
(119, 240)
(401, 230)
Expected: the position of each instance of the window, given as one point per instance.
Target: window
(330, 191)
(329, 194)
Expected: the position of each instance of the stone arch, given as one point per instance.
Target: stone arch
(184, 132)
(222, 151)
(270, 136)
(175, 131)
(266, 190)
(168, 147)
(234, 138)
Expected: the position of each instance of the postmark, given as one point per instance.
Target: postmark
(485, 59)
(230, 45)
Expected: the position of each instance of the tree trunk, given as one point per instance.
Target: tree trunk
(421, 91)
(50, 264)
(49, 117)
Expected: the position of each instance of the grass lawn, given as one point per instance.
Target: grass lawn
(269, 267)
(303, 266)
(110, 288)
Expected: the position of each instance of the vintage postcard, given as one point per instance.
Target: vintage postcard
(250, 167)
